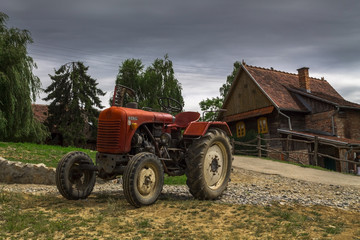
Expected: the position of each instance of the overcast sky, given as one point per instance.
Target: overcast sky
(203, 38)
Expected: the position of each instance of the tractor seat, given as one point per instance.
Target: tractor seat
(183, 119)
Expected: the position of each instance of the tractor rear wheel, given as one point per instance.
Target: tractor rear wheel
(73, 179)
(209, 161)
(143, 179)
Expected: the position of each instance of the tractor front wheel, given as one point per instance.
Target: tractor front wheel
(209, 161)
(74, 179)
(143, 179)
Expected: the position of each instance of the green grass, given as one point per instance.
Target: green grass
(50, 156)
(37, 153)
(177, 180)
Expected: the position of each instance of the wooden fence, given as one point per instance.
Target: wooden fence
(261, 147)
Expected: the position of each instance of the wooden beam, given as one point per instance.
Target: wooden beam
(316, 149)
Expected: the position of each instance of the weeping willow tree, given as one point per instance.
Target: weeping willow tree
(18, 87)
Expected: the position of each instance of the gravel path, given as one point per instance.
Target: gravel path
(246, 187)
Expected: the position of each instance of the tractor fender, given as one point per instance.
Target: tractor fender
(200, 128)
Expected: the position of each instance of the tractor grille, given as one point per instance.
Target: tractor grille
(108, 138)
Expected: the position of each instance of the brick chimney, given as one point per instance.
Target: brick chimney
(304, 79)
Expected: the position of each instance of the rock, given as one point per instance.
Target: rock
(24, 173)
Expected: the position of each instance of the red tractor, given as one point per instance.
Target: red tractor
(142, 145)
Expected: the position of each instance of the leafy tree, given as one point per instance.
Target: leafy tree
(158, 80)
(18, 87)
(130, 75)
(74, 95)
(229, 80)
(212, 105)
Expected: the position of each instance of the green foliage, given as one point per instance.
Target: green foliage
(229, 80)
(74, 95)
(18, 87)
(158, 80)
(212, 105)
(130, 75)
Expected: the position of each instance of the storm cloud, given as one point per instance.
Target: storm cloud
(203, 38)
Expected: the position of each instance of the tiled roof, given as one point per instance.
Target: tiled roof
(40, 112)
(277, 85)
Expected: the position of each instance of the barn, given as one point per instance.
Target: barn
(279, 104)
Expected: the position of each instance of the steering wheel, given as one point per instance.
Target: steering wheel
(169, 104)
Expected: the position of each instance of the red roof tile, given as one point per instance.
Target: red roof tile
(276, 84)
(40, 112)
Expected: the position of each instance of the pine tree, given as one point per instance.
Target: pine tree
(18, 87)
(73, 94)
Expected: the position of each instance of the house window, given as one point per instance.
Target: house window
(262, 125)
(240, 129)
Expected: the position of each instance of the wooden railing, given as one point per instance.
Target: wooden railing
(261, 147)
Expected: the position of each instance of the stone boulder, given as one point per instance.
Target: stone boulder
(25, 173)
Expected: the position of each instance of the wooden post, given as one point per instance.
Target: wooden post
(233, 146)
(316, 147)
(259, 145)
(287, 147)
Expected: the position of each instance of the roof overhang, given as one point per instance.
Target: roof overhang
(249, 114)
(319, 98)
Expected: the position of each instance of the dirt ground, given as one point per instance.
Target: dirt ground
(109, 216)
(295, 172)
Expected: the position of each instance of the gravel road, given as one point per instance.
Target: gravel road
(254, 185)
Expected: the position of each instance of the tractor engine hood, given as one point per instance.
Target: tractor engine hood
(136, 115)
(117, 126)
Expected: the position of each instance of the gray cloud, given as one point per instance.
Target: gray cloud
(203, 38)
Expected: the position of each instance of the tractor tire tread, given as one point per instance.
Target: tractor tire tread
(194, 160)
(60, 176)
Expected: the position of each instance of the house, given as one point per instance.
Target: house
(279, 104)
(41, 113)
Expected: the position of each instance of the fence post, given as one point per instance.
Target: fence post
(316, 147)
(259, 145)
(233, 145)
(287, 150)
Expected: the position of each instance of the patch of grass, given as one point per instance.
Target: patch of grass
(37, 153)
(333, 229)
(19, 220)
(177, 180)
(143, 223)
